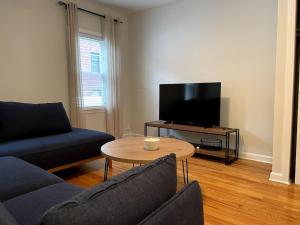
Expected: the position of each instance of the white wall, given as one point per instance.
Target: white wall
(33, 53)
(33, 62)
(232, 41)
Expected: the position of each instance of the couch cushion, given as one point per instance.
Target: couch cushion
(19, 177)
(124, 200)
(56, 150)
(5, 216)
(186, 207)
(24, 120)
(28, 209)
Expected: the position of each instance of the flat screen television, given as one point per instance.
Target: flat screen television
(191, 103)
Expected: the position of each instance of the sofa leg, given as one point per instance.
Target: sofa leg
(110, 163)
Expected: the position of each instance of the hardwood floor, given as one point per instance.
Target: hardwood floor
(237, 194)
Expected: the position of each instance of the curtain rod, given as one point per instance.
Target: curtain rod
(84, 10)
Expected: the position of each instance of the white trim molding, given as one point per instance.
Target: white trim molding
(256, 157)
(278, 177)
(284, 83)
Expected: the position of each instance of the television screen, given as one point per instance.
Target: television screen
(194, 103)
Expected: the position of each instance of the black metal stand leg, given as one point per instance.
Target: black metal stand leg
(106, 167)
(185, 171)
(145, 130)
(158, 132)
(227, 159)
(226, 143)
(238, 143)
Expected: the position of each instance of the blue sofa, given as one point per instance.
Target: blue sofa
(144, 195)
(42, 135)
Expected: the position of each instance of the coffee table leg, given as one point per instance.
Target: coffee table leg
(106, 166)
(185, 171)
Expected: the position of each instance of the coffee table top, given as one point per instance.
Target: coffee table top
(131, 150)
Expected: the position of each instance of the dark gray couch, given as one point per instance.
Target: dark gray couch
(144, 195)
(42, 135)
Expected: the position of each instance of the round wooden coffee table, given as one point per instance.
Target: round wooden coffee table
(131, 150)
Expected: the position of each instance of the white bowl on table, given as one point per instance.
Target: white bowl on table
(151, 143)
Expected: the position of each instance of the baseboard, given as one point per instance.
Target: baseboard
(297, 180)
(256, 157)
(278, 177)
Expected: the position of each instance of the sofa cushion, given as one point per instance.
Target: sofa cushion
(28, 209)
(18, 177)
(186, 207)
(57, 150)
(124, 200)
(5, 216)
(24, 120)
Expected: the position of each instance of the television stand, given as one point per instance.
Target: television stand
(227, 153)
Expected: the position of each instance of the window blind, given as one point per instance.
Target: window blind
(92, 85)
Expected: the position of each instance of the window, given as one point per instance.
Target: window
(95, 61)
(91, 74)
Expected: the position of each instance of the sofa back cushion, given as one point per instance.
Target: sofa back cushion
(18, 177)
(124, 200)
(24, 120)
(185, 207)
(5, 217)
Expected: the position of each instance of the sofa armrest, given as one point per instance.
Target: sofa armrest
(185, 207)
(5, 217)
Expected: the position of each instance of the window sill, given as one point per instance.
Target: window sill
(95, 110)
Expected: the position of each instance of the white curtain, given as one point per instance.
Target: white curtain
(112, 76)
(74, 78)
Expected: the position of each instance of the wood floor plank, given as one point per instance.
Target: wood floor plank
(239, 194)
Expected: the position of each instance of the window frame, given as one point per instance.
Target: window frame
(96, 36)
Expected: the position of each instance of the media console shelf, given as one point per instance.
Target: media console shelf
(227, 153)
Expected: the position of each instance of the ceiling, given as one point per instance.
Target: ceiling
(136, 5)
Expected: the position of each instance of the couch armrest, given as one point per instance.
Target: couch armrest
(5, 217)
(185, 207)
